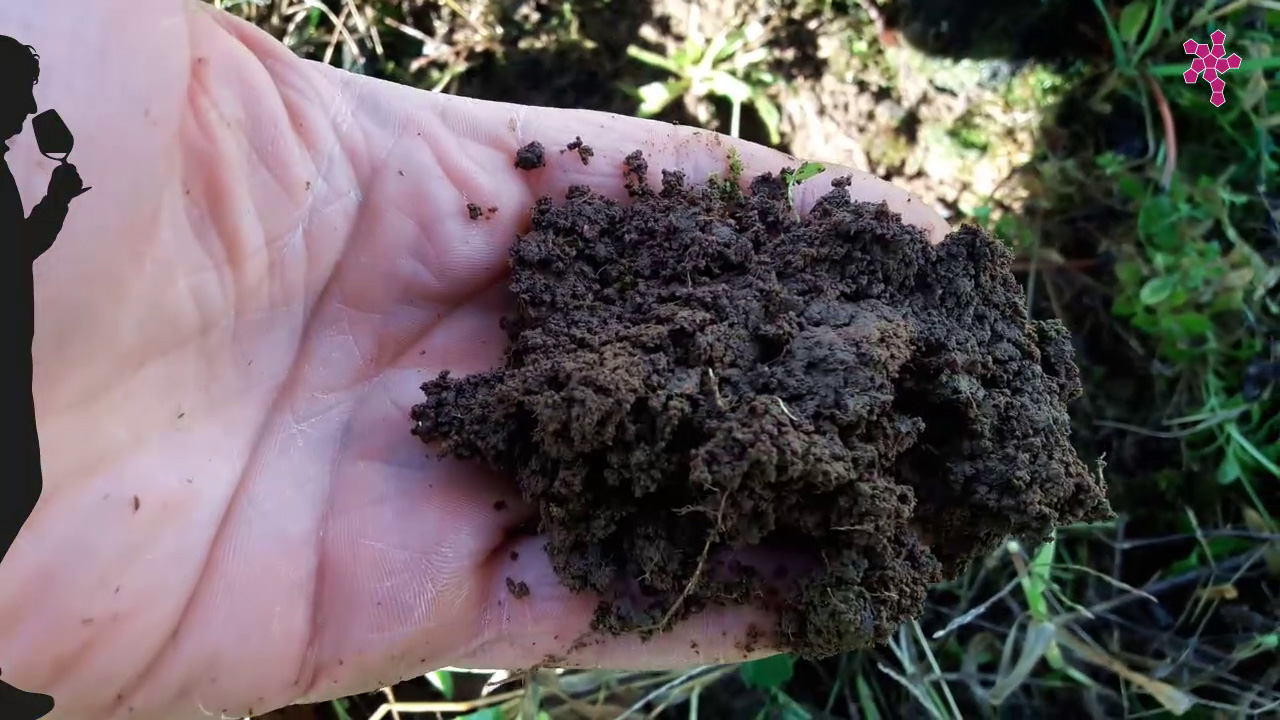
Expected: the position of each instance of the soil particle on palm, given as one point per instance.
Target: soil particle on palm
(474, 211)
(833, 389)
(519, 590)
(531, 156)
(585, 153)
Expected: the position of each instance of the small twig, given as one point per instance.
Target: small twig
(1162, 586)
(697, 571)
(696, 673)
(715, 389)
(786, 410)
(446, 707)
(340, 26)
(391, 702)
(1164, 434)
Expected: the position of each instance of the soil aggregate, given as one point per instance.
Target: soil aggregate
(585, 153)
(699, 378)
(474, 211)
(531, 156)
(519, 590)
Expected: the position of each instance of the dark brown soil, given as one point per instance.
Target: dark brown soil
(585, 153)
(518, 590)
(699, 379)
(531, 156)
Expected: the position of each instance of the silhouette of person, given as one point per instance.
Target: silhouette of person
(23, 238)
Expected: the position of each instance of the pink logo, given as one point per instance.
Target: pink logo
(1212, 62)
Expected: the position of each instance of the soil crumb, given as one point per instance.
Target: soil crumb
(531, 156)
(518, 590)
(474, 211)
(744, 383)
(585, 153)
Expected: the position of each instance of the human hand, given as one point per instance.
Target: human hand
(230, 336)
(65, 183)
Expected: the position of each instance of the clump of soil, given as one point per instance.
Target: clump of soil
(531, 156)
(585, 153)
(699, 379)
(519, 590)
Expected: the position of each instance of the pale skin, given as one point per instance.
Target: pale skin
(230, 332)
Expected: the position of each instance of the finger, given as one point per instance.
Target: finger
(696, 152)
(486, 135)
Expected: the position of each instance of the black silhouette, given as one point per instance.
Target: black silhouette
(23, 238)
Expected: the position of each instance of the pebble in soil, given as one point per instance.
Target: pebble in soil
(699, 373)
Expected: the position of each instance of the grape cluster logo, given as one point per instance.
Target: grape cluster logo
(1211, 63)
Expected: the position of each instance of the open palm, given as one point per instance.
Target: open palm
(231, 330)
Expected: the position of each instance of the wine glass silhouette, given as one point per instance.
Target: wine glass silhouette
(54, 137)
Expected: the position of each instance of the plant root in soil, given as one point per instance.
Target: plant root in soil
(711, 400)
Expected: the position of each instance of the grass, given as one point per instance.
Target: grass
(726, 65)
(1146, 218)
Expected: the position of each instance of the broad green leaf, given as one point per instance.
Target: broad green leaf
(1192, 324)
(655, 96)
(1132, 19)
(712, 52)
(1130, 187)
(806, 171)
(649, 57)
(1124, 306)
(1229, 470)
(768, 673)
(1157, 290)
(443, 681)
(722, 83)
(1128, 273)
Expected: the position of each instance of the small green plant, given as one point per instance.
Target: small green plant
(1193, 283)
(735, 165)
(728, 186)
(729, 65)
(806, 171)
